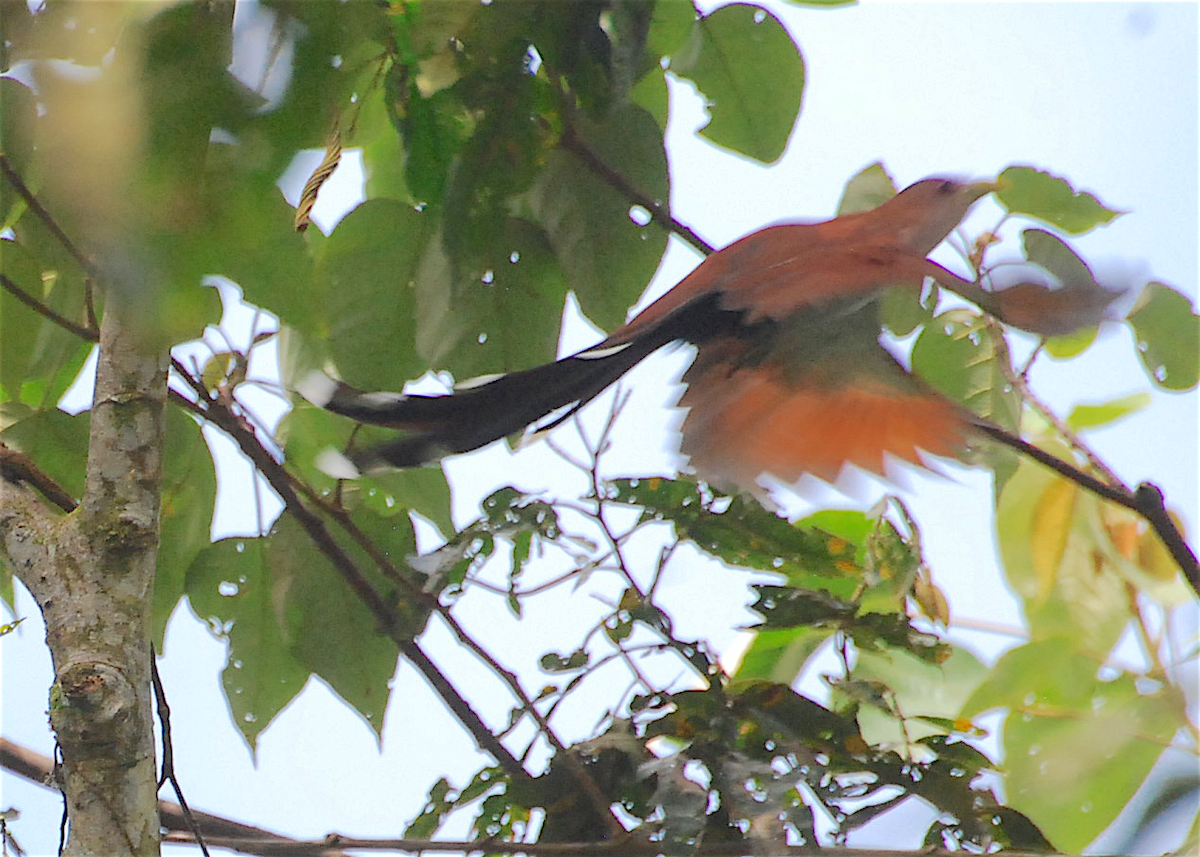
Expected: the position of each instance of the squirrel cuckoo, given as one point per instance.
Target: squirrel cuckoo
(789, 376)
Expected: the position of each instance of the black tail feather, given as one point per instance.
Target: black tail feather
(473, 417)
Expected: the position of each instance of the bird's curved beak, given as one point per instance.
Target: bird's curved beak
(982, 189)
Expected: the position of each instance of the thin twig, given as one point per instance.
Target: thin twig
(168, 752)
(16, 466)
(37, 208)
(1147, 500)
(280, 482)
(630, 847)
(573, 143)
(91, 335)
(1020, 383)
(39, 769)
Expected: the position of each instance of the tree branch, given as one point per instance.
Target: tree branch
(39, 770)
(632, 848)
(14, 179)
(91, 335)
(1147, 500)
(27, 535)
(288, 488)
(573, 143)
(17, 467)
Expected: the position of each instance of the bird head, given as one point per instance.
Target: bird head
(923, 214)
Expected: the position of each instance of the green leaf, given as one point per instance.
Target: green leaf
(243, 229)
(38, 358)
(870, 188)
(1085, 416)
(335, 635)
(1166, 330)
(752, 75)
(920, 689)
(1076, 747)
(1025, 190)
(501, 315)
(789, 607)
(651, 94)
(1059, 558)
(742, 533)
(287, 613)
(306, 431)
(367, 278)
(670, 26)
(432, 136)
(1071, 344)
(607, 256)
(229, 586)
(57, 442)
(188, 495)
(1056, 256)
(498, 162)
(955, 352)
(18, 128)
(780, 654)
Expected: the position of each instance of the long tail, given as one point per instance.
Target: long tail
(487, 409)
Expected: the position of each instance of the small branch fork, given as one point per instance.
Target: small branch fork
(168, 754)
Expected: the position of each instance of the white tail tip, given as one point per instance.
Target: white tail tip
(332, 463)
(317, 387)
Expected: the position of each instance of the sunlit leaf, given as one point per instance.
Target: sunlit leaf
(870, 188)
(1076, 747)
(779, 654)
(1085, 416)
(1060, 560)
(919, 689)
(1167, 331)
(1025, 190)
(753, 104)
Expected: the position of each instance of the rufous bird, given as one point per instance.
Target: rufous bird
(789, 375)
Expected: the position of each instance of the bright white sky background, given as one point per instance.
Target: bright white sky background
(1103, 94)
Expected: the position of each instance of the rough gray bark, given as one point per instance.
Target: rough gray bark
(92, 575)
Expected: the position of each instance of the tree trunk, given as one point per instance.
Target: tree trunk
(92, 575)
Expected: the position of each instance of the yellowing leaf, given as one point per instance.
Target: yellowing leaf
(1051, 527)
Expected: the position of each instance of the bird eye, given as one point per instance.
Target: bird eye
(946, 187)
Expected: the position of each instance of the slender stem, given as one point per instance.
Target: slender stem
(1147, 500)
(37, 208)
(658, 212)
(18, 467)
(1020, 383)
(91, 334)
(168, 754)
